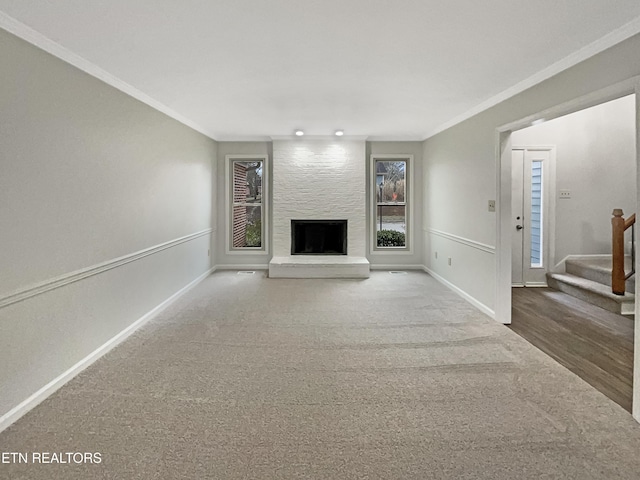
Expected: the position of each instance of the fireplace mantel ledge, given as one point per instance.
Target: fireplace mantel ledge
(319, 266)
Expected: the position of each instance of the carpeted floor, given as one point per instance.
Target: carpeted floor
(394, 377)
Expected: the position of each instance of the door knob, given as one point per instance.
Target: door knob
(519, 227)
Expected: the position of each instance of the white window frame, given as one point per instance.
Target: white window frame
(373, 239)
(228, 180)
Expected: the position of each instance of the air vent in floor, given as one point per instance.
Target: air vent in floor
(397, 272)
(246, 272)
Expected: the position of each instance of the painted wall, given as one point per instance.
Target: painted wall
(88, 176)
(460, 171)
(226, 260)
(414, 258)
(596, 162)
(239, 259)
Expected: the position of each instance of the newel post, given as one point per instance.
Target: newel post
(617, 252)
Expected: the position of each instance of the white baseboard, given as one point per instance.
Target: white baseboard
(257, 266)
(395, 267)
(38, 397)
(473, 301)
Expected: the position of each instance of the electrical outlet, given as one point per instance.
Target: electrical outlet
(492, 205)
(449, 261)
(565, 193)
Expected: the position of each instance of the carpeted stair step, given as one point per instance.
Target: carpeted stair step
(598, 269)
(593, 292)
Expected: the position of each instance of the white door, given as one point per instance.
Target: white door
(530, 216)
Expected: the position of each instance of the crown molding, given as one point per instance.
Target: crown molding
(334, 138)
(39, 40)
(396, 138)
(609, 40)
(243, 138)
(33, 37)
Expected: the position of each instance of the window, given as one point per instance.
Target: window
(536, 213)
(246, 194)
(390, 201)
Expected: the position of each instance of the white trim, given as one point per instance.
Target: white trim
(78, 275)
(252, 266)
(263, 250)
(38, 397)
(465, 241)
(409, 205)
(30, 35)
(269, 138)
(396, 138)
(322, 138)
(603, 95)
(636, 342)
(503, 149)
(243, 138)
(609, 40)
(394, 266)
(473, 301)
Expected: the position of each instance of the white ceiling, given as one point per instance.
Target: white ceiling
(250, 69)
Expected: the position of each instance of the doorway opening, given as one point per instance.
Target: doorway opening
(565, 177)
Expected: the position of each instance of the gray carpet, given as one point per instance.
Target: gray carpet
(394, 377)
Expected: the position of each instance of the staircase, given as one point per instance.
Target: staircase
(589, 278)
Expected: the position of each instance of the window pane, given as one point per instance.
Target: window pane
(536, 213)
(247, 226)
(390, 181)
(390, 225)
(247, 182)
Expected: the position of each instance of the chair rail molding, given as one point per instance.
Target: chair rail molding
(67, 278)
(465, 241)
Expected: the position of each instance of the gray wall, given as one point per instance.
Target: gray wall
(224, 259)
(460, 171)
(88, 175)
(596, 162)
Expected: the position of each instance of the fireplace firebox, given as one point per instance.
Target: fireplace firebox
(318, 237)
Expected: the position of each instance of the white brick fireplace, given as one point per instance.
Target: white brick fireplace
(319, 180)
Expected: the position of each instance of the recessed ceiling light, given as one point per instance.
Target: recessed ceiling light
(299, 133)
(339, 133)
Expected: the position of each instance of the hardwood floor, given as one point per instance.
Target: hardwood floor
(593, 343)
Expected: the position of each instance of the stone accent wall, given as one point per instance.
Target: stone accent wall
(319, 180)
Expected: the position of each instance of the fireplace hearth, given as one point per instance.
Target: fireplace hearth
(318, 237)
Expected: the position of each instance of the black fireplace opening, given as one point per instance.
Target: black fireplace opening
(318, 237)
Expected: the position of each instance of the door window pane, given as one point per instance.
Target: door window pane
(536, 213)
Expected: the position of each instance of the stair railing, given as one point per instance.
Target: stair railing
(618, 226)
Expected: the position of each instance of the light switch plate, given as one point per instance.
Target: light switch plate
(492, 205)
